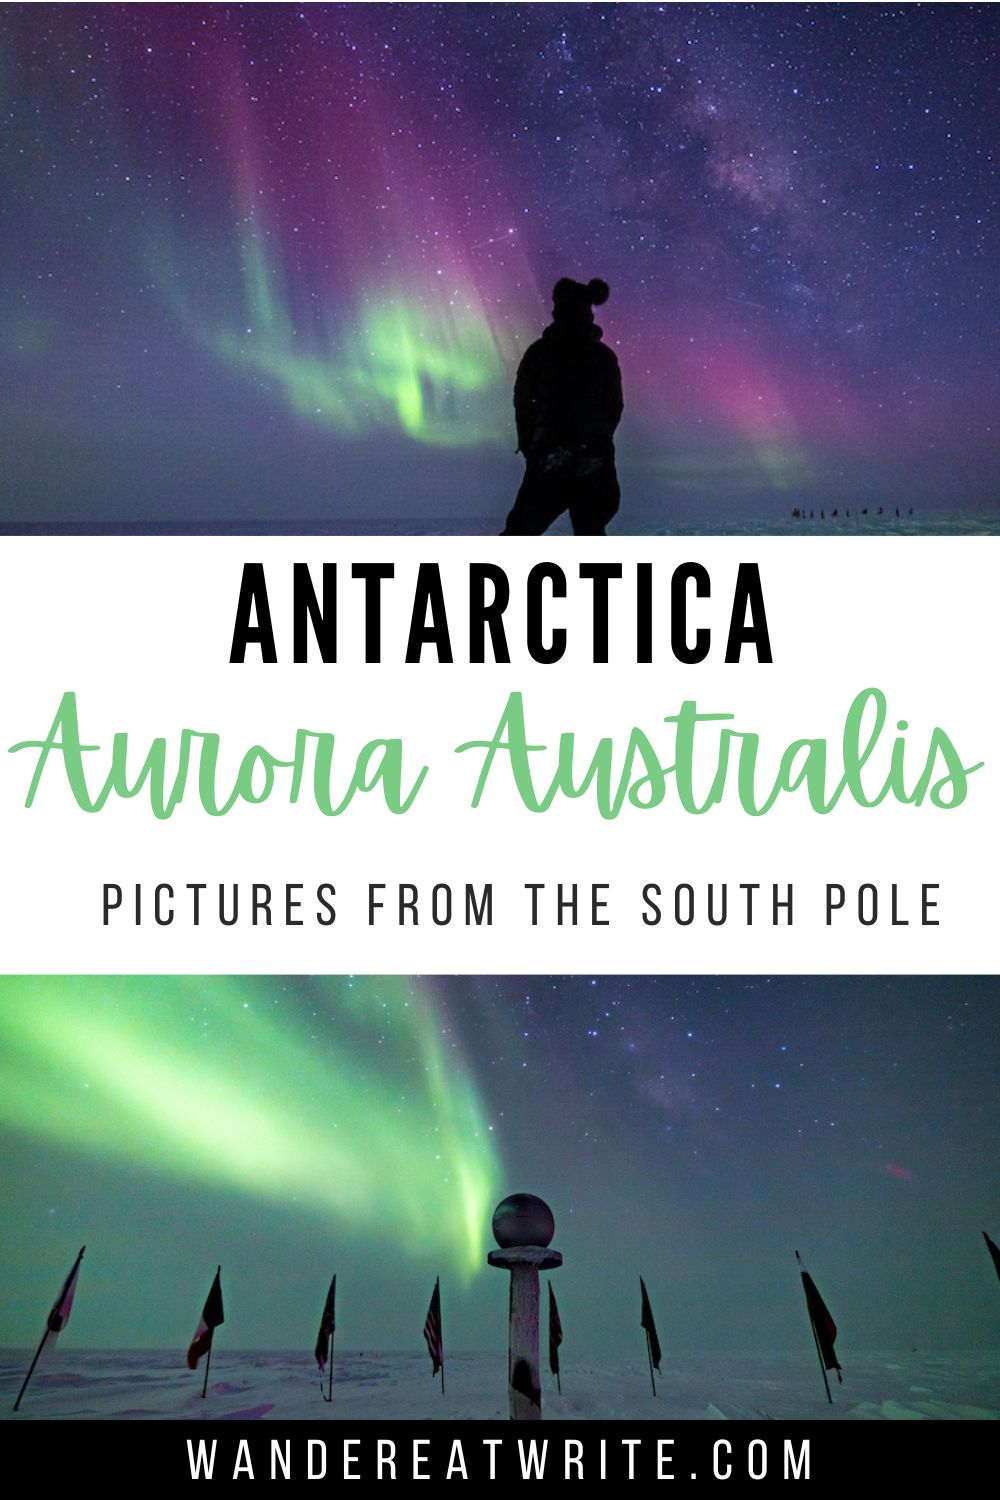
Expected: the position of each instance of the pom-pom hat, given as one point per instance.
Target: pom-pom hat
(572, 300)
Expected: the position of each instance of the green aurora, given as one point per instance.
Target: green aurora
(692, 1130)
(433, 366)
(208, 1080)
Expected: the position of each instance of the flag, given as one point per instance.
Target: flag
(647, 1322)
(432, 1330)
(63, 1305)
(555, 1332)
(824, 1327)
(993, 1249)
(327, 1324)
(211, 1317)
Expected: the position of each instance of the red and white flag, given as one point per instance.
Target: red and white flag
(211, 1317)
(63, 1305)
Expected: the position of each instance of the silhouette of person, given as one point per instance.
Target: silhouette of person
(567, 404)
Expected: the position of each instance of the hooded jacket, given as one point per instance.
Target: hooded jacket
(568, 391)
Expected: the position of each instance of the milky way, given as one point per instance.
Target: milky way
(280, 262)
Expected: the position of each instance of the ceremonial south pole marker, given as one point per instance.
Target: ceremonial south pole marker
(523, 1227)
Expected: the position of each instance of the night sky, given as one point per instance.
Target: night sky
(696, 1131)
(277, 263)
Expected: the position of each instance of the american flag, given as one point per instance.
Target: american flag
(432, 1330)
(211, 1317)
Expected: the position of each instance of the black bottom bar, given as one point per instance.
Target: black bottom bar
(692, 1454)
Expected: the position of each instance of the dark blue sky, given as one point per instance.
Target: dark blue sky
(278, 263)
(695, 1131)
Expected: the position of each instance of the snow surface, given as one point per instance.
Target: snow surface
(251, 1385)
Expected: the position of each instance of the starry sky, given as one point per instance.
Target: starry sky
(277, 263)
(696, 1131)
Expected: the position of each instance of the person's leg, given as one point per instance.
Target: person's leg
(540, 500)
(596, 497)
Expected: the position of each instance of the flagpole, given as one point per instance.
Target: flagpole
(208, 1361)
(329, 1357)
(819, 1356)
(67, 1285)
(34, 1362)
(556, 1372)
(649, 1352)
